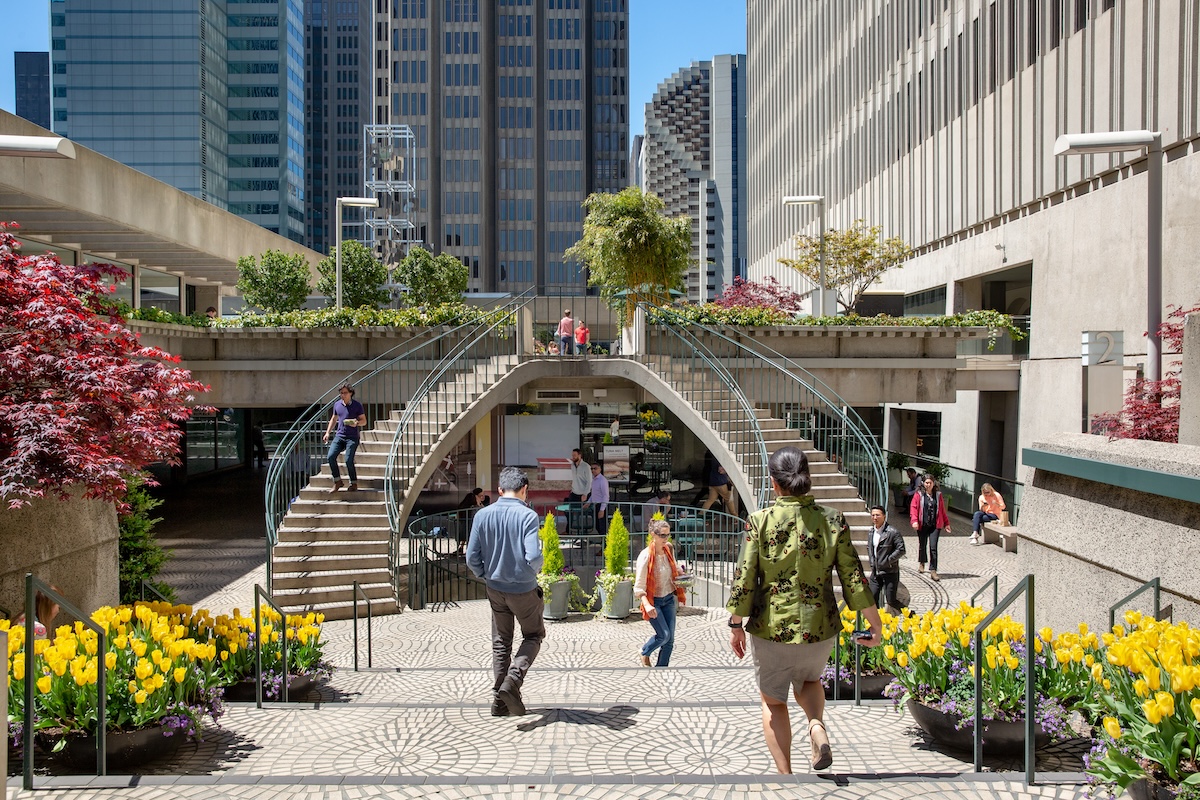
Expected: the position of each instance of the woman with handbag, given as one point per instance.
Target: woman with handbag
(658, 594)
(783, 587)
(928, 517)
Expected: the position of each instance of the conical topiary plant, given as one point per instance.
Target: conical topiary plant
(552, 557)
(616, 546)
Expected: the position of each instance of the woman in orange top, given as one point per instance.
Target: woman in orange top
(990, 506)
(658, 594)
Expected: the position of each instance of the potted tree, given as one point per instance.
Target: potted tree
(613, 582)
(554, 583)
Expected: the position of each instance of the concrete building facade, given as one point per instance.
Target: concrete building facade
(204, 96)
(32, 90)
(938, 122)
(519, 109)
(694, 155)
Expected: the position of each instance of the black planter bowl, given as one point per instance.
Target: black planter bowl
(1000, 738)
(1142, 789)
(124, 749)
(243, 691)
(870, 686)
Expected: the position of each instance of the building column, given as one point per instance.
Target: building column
(483, 455)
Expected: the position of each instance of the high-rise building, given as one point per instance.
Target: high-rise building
(338, 57)
(519, 112)
(32, 73)
(201, 94)
(637, 161)
(939, 122)
(694, 157)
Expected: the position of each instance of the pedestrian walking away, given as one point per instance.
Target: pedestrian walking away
(928, 518)
(505, 551)
(566, 334)
(657, 593)
(885, 549)
(349, 417)
(783, 596)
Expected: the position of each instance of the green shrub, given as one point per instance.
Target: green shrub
(616, 546)
(139, 553)
(277, 282)
(552, 557)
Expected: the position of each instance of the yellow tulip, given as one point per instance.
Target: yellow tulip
(233, 647)
(224, 655)
(902, 659)
(18, 669)
(1195, 706)
(888, 650)
(110, 660)
(180, 674)
(139, 647)
(139, 698)
(1153, 715)
(1011, 662)
(1140, 688)
(1112, 727)
(133, 687)
(1166, 703)
(1046, 633)
(1097, 672)
(43, 684)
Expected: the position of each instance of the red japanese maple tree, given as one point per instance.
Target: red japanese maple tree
(1151, 408)
(768, 293)
(83, 405)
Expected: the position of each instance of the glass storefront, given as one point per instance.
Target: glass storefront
(158, 289)
(215, 441)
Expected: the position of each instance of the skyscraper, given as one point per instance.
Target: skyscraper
(32, 73)
(519, 112)
(205, 96)
(338, 102)
(694, 159)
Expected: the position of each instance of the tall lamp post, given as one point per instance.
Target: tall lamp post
(819, 201)
(358, 202)
(1118, 142)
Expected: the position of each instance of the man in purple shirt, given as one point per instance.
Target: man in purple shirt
(599, 498)
(348, 415)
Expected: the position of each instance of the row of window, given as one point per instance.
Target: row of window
(559, 241)
(462, 235)
(564, 211)
(564, 119)
(406, 39)
(564, 180)
(514, 147)
(515, 117)
(456, 74)
(462, 43)
(564, 149)
(514, 55)
(254, 67)
(254, 185)
(609, 57)
(254, 138)
(461, 203)
(254, 91)
(515, 178)
(521, 241)
(515, 209)
(255, 162)
(515, 85)
(460, 107)
(406, 103)
(564, 28)
(560, 58)
(460, 170)
(253, 44)
(564, 89)
(243, 209)
(462, 11)
(514, 25)
(460, 139)
(253, 20)
(516, 271)
(408, 9)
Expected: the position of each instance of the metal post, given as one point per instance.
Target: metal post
(1030, 740)
(30, 680)
(820, 304)
(858, 626)
(1154, 237)
(4, 703)
(337, 258)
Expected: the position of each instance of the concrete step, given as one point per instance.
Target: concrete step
(305, 581)
(329, 549)
(345, 610)
(336, 504)
(377, 521)
(315, 535)
(327, 564)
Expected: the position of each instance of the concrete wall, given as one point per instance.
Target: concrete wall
(1189, 412)
(71, 544)
(1089, 544)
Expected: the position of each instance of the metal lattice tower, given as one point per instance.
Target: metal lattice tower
(389, 170)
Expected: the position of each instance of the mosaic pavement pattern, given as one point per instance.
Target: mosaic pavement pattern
(599, 725)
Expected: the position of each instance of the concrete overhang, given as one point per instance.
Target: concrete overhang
(105, 208)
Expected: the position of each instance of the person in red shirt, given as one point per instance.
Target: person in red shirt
(583, 338)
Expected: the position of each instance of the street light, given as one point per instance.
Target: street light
(1117, 142)
(357, 202)
(36, 146)
(819, 201)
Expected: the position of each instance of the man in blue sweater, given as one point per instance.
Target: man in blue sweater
(504, 550)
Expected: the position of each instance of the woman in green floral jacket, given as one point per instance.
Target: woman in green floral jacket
(784, 589)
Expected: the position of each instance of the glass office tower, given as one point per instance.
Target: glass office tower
(32, 73)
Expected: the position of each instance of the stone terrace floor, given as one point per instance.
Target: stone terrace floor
(599, 725)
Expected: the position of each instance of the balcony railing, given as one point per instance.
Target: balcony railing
(1005, 346)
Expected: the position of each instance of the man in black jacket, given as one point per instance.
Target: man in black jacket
(885, 548)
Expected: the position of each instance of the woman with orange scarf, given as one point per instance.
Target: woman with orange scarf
(657, 592)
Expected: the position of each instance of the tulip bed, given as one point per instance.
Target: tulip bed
(1138, 686)
(166, 666)
(871, 659)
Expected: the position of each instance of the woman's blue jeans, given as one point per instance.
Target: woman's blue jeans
(980, 518)
(663, 639)
(339, 444)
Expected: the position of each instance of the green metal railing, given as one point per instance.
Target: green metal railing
(1153, 585)
(687, 364)
(994, 585)
(32, 586)
(1024, 587)
(260, 595)
(775, 382)
(961, 486)
(467, 370)
(358, 592)
(147, 586)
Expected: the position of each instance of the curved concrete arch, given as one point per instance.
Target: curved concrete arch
(537, 369)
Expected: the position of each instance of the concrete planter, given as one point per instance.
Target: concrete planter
(558, 598)
(619, 605)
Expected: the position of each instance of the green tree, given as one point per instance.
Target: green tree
(139, 554)
(362, 277)
(276, 282)
(632, 251)
(855, 259)
(553, 563)
(616, 546)
(430, 280)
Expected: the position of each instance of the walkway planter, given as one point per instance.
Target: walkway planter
(243, 690)
(124, 749)
(558, 599)
(999, 738)
(619, 605)
(1142, 789)
(871, 686)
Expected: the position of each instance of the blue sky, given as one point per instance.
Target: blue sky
(664, 36)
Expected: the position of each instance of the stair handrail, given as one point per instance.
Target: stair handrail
(870, 482)
(461, 351)
(753, 456)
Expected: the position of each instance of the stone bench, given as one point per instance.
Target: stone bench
(1003, 535)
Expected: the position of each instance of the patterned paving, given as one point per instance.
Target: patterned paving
(599, 725)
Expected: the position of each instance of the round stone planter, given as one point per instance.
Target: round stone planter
(871, 687)
(1142, 789)
(619, 605)
(124, 749)
(243, 690)
(999, 738)
(557, 600)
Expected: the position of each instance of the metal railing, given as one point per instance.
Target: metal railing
(32, 586)
(777, 383)
(480, 357)
(1154, 585)
(260, 595)
(1024, 587)
(147, 586)
(961, 487)
(688, 365)
(707, 542)
(358, 592)
(994, 585)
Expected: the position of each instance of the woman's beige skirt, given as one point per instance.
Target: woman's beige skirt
(781, 667)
